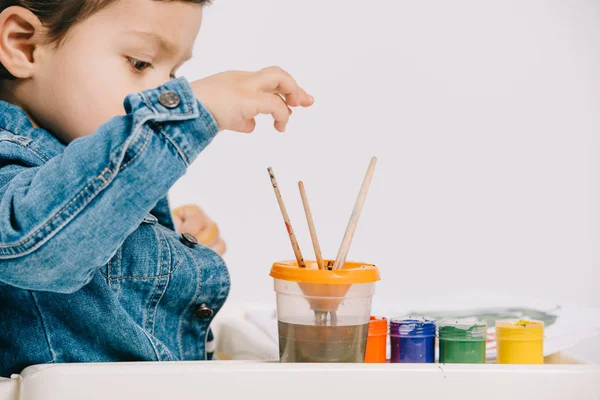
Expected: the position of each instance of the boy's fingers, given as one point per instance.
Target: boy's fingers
(220, 247)
(275, 79)
(209, 235)
(286, 103)
(184, 212)
(274, 105)
(306, 99)
(299, 98)
(293, 99)
(190, 219)
(194, 226)
(247, 126)
(279, 126)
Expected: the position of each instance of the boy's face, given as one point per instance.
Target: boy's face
(127, 47)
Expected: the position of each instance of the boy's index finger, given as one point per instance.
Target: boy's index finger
(277, 80)
(306, 100)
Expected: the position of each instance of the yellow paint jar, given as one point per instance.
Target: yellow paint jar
(520, 342)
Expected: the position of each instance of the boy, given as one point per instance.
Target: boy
(91, 268)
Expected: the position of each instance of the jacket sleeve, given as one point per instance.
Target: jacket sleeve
(162, 212)
(61, 220)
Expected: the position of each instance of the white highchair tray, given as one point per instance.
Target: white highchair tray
(271, 380)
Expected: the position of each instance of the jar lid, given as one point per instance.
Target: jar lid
(519, 330)
(412, 327)
(351, 273)
(462, 329)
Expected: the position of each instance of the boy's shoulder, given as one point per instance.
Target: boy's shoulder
(19, 139)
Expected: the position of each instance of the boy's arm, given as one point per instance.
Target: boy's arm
(61, 220)
(162, 212)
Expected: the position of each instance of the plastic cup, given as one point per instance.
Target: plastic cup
(462, 341)
(520, 342)
(323, 315)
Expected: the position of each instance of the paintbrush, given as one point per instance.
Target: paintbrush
(286, 219)
(311, 226)
(340, 260)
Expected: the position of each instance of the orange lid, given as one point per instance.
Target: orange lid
(351, 273)
(378, 326)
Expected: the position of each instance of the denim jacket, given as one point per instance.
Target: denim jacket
(91, 269)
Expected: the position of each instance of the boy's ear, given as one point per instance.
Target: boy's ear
(20, 31)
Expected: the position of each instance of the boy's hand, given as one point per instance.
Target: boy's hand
(191, 219)
(235, 97)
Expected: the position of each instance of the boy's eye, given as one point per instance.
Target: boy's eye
(138, 65)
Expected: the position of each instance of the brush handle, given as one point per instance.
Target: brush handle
(340, 260)
(311, 226)
(286, 219)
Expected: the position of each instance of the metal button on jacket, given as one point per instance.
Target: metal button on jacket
(169, 99)
(203, 311)
(189, 240)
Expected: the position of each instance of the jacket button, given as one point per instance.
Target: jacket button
(203, 311)
(169, 99)
(189, 240)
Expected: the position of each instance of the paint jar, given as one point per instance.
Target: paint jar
(323, 315)
(462, 341)
(376, 340)
(520, 342)
(412, 340)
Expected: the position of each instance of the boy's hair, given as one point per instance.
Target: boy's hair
(60, 15)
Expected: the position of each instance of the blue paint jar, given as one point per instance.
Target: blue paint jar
(412, 340)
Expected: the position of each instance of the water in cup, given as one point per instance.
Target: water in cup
(322, 343)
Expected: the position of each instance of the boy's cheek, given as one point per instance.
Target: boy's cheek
(76, 93)
(93, 102)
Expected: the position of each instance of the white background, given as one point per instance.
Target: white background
(485, 117)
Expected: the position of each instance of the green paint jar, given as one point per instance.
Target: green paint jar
(462, 342)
